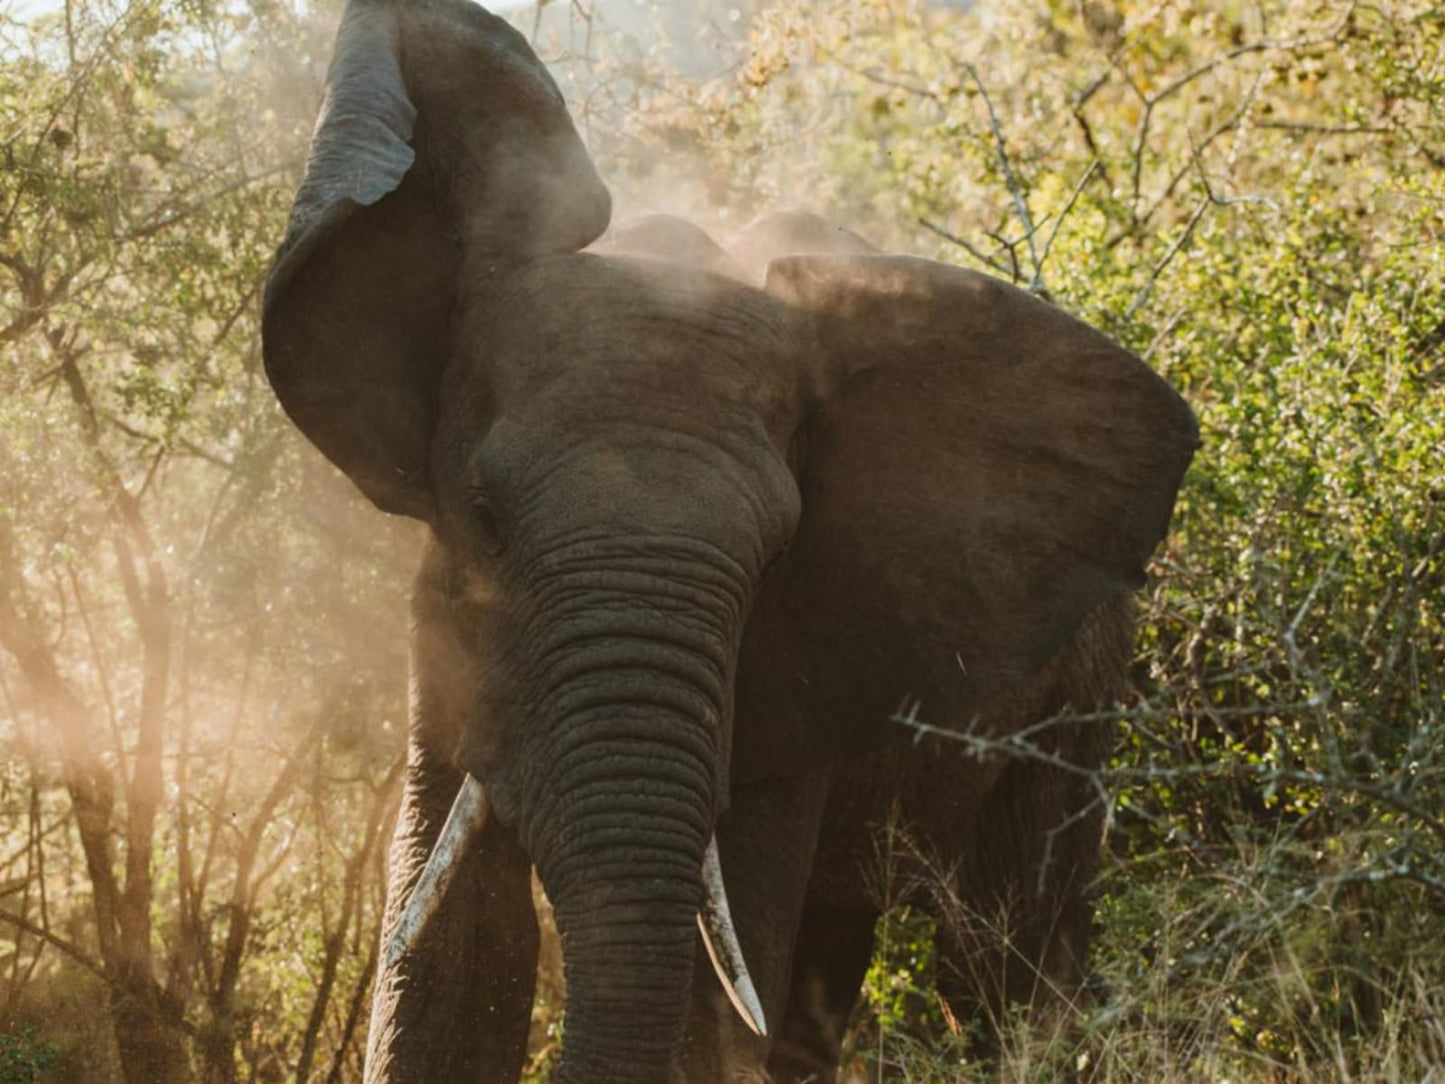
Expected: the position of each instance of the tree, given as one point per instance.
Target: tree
(153, 499)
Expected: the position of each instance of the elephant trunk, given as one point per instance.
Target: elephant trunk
(621, 803)
(620, 859)
(625, 908)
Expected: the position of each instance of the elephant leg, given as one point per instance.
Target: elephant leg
(457, 1007)
(766, 842)
(1017, 927)
(834, 949)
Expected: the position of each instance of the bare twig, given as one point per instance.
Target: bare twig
(55, 941)
(982, 257)
(1068, 206)
(1164, 333)
(1316, 128)
(1021, 204)
(1168, 257)
(74, 952)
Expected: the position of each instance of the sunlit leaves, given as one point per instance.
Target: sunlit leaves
(1262, 215)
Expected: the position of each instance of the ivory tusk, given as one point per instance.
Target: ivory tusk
(464, 823)
(720, 938)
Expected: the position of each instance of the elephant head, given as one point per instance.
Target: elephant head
(619, 457)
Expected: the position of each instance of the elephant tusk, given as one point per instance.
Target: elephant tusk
(464, 823)
(720, 938)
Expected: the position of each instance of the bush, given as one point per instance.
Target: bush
(23, 1060)
(1253, 199)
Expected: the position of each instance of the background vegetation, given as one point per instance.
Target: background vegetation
(202, 662)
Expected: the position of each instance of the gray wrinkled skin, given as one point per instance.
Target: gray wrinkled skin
(702, 521)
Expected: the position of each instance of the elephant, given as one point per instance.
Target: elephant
(700, 523)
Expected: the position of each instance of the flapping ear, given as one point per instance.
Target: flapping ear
(981, 473)
(441, 138)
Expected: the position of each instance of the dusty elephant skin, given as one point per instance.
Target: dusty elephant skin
(701, 521)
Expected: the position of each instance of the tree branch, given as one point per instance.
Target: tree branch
(1021, 205)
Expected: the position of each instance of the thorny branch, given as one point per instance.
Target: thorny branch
(1021, 203)
(963, 243)
(1168, 258)
(1406, 789)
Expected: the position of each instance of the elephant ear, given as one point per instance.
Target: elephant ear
(982, 472)
(441, 138)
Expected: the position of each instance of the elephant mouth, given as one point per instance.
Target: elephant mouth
(467, 818)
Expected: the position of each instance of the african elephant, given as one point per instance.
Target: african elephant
(693, 541)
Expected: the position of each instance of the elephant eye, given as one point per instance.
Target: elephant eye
(488, 527)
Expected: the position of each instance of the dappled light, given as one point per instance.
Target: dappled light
(205, 682)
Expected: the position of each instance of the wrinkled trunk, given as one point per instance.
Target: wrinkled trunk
(622, 804)
(627, 922)
(624, 838)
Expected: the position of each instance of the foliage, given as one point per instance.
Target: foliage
(201, 746)
(1252, 197)
(23, 1060)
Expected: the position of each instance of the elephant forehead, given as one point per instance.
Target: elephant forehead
(639, 322)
